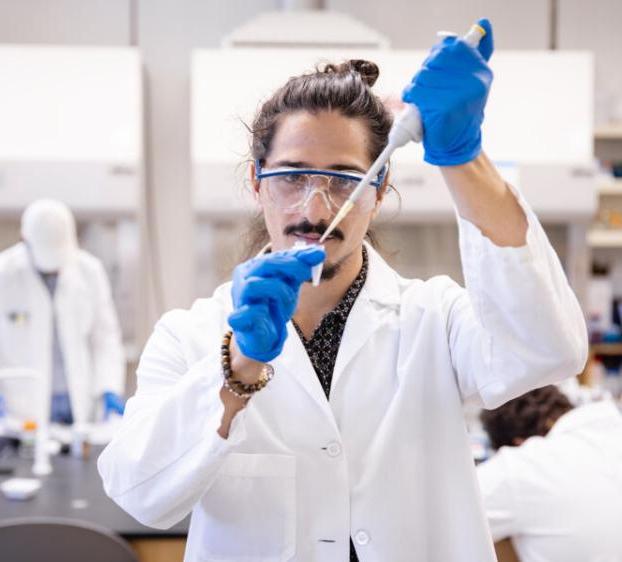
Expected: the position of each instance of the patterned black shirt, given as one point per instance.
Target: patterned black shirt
(323, 346)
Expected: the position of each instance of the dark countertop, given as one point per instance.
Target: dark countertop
(74, 491)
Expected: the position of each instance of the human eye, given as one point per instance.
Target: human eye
(343, 184)
(293, 180)
(290, 185)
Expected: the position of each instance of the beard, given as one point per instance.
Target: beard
(330, 270)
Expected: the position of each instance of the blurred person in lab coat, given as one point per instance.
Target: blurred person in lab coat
(58, 319)
(555, 485)
(328, 425)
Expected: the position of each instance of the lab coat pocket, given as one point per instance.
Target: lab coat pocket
(15, 335)
(250, 510)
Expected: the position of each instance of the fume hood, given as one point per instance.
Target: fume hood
(71, 127)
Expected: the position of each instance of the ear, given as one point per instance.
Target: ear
(382, 191)
(254, 183)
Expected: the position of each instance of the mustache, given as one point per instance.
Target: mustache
(305, 227)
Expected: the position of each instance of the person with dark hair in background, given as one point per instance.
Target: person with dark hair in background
(555, 486)
(318, 424)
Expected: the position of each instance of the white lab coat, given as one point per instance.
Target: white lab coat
(559, 497)
(89, 332)
(386, 460)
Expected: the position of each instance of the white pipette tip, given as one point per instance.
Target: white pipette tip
(316, 270)
(345, 209)
(316, 274)
(443, 33)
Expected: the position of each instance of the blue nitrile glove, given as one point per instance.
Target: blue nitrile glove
(450, 92)
(113, 403)
(265, 293)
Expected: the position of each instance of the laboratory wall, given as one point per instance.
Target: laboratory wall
(66, 22)
(411, 25)
(596, 26)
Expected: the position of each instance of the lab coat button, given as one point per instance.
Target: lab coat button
(333, 449)
(361, 538)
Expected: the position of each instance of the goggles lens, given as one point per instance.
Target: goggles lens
(291, 189)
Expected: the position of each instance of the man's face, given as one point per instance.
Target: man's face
(326, 141)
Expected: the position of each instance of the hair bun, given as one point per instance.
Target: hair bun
(367, 70)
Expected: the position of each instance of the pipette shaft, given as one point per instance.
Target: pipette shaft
(371, 174)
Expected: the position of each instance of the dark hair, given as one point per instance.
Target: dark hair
(533, 413)
(345, 88)
(342, 87)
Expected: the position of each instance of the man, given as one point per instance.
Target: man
(58, 319)
(555, 486)
(327, 422)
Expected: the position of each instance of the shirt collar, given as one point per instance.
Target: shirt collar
(347, 301)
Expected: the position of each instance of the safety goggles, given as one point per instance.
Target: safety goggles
(291, 189)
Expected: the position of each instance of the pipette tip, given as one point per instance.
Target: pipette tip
(316, 274)
(345, 209)
(316, 270)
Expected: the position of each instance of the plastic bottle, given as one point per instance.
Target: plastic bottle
(27, 439)
(80, 446)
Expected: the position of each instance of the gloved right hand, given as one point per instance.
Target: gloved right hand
(450, 91)
(265, 294)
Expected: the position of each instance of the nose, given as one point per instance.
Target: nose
(317, 207)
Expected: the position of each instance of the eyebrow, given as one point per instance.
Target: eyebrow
(336, 167)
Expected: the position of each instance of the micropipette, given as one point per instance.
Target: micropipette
(407, 127)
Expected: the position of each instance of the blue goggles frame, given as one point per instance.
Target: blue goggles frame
(260, 174)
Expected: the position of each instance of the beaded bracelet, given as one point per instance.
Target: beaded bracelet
(240, 389)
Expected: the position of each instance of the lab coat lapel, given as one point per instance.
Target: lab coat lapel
(363, 321)
(64, 307)
(295, 360)
(69, 316)
(379, 296)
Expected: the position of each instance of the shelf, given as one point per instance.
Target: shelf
(612, 187)
(606, 349)
(602, 238)
(611, 131)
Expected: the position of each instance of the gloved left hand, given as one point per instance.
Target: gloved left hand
(450, 92)
(265, 294)
(113, 403)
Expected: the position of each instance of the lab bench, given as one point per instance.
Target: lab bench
(74, 491)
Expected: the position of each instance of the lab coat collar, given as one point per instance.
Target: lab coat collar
(382, 285)
(596, 413)
(368, 315)
(23, 264)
